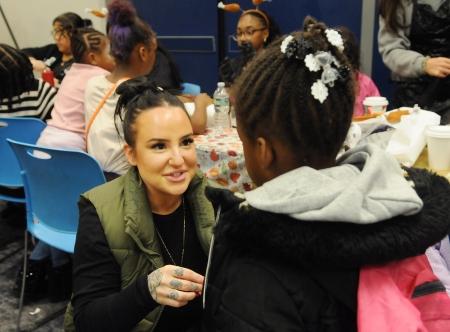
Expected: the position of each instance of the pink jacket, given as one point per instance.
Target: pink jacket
(68, 111)
(367, 88)
(402, 296)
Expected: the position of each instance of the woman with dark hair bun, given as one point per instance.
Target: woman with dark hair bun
(58, 57)
(143, 238)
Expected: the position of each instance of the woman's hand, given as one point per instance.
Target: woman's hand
(437, 67)
(174, 286)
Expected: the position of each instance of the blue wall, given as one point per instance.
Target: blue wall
(189, 29)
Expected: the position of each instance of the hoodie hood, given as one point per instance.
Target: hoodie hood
(250, 231)
(366, 186)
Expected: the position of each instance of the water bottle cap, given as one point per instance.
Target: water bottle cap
(221, 84)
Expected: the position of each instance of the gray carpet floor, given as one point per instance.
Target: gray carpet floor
(39, 316)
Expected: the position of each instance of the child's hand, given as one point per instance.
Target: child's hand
(38, 65)
(202, 100)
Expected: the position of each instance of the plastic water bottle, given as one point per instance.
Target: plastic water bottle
(221, 106)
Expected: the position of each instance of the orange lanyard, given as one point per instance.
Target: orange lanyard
(101, 104)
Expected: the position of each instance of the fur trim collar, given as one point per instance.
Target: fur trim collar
(344, 245)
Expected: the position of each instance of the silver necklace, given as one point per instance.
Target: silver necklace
(184, 237)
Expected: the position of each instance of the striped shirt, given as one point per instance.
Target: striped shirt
(37, 103)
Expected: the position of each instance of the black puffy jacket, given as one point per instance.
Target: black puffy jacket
(269, 272)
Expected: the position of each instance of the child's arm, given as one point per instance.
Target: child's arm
(199, 117)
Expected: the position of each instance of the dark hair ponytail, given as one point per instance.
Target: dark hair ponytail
(136, 96)
(126, 29)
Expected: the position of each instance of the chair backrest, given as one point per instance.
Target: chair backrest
(21, 129)
(53, 181)
(190, 89)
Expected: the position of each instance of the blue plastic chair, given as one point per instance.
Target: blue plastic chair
(53, 181)
(190, 89)
(22, 129)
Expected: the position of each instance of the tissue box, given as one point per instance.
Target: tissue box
(408, 139)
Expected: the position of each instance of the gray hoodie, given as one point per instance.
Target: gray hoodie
(366, 186)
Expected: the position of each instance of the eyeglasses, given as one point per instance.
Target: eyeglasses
(57, 33)
(247, 33)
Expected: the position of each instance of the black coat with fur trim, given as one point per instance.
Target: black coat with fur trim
(270, 272)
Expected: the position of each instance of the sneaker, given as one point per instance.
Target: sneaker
(36, 281)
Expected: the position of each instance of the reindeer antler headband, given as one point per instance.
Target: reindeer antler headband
(235, 7)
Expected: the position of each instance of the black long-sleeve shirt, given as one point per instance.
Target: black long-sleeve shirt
(99, 302)
(46, 52)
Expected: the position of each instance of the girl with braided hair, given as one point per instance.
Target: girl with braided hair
(21, 94)
(49, 269)
(133, 47)
(287, 255)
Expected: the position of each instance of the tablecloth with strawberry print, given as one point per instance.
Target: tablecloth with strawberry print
(220, 156)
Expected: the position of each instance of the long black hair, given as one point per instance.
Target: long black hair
(388, 10)
(16, 73)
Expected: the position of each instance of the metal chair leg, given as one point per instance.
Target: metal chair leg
(22, 289)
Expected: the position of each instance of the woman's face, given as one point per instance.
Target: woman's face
(62, 38)
(251, 30)
(164, 152)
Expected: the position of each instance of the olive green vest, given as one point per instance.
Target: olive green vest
(126, 218)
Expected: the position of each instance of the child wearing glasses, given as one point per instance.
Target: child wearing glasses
(49, 269)
(58, 56)
(255, 30)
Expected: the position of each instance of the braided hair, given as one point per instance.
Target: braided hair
(83, 41)
(274, 99)
(126, 30)
(16, 73)
(139, 95)
(351, 47)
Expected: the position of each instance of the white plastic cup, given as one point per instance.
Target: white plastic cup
(438, 140)
(375, 105)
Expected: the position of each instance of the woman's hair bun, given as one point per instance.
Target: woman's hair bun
(136, 86)
(121, 12)
(87, 23)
